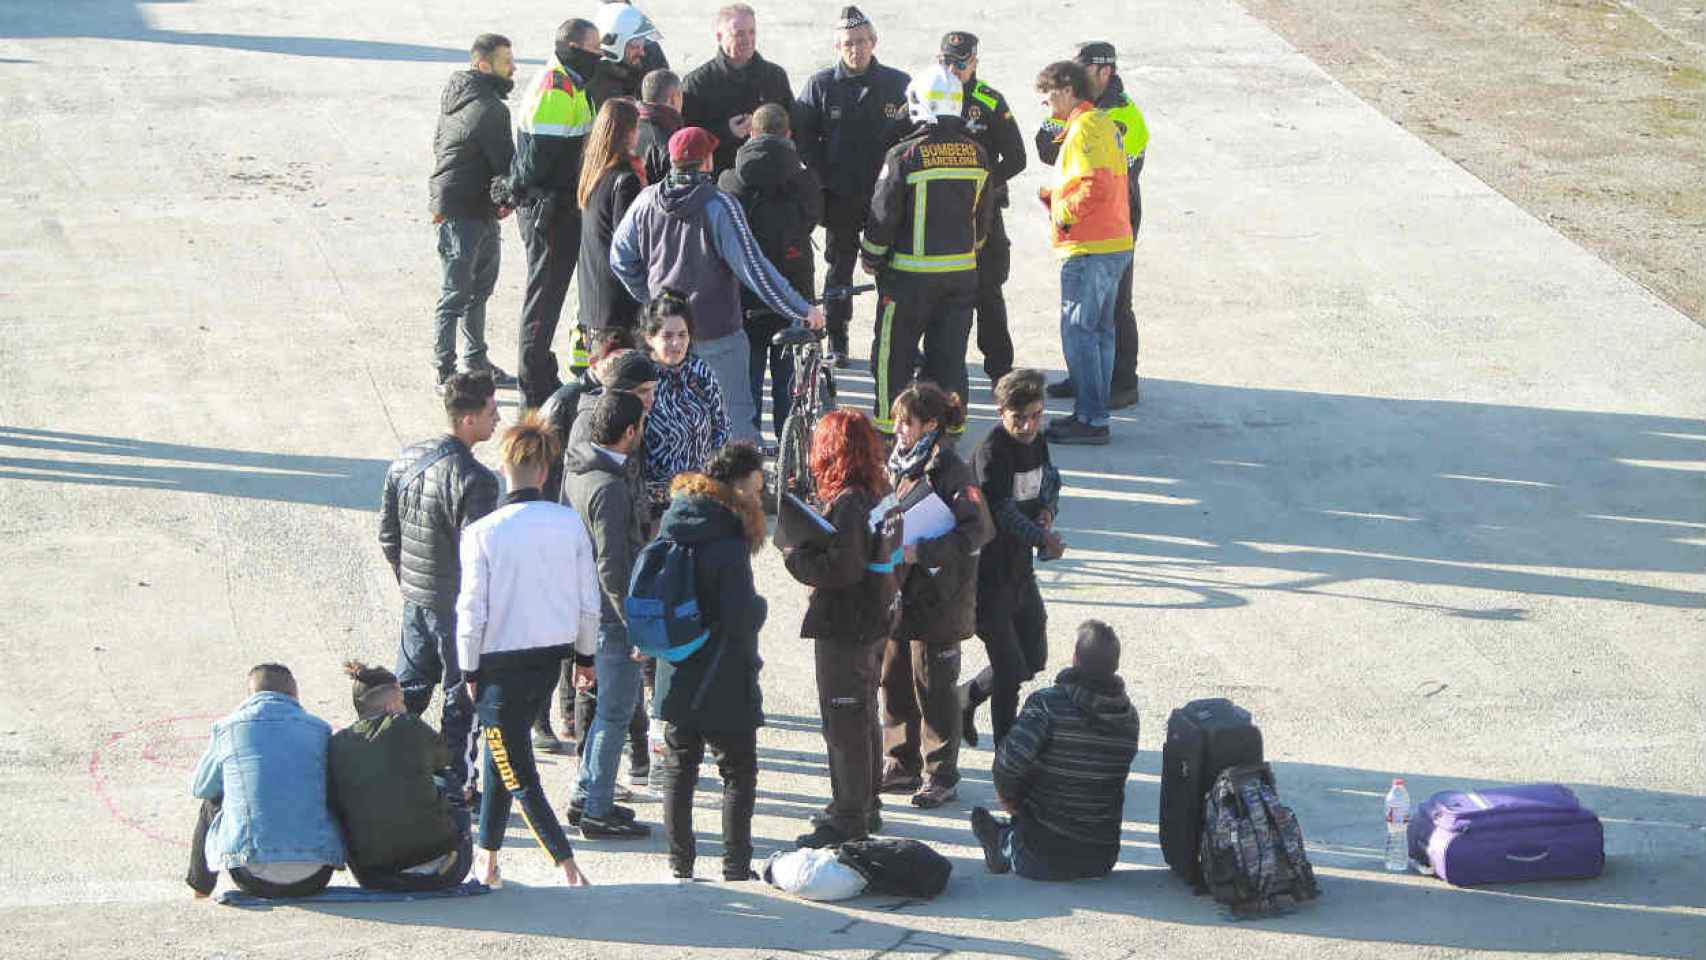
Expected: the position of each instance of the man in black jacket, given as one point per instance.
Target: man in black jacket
(556, 118)
(845, 118)
(471, 148)
(721, 93)
(432, 491)
(660, 117)
(989, 121)
(783, 203)
(1061, 771)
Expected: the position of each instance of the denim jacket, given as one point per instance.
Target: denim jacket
(266, 766)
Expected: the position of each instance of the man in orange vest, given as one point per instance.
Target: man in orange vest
(1091, 229)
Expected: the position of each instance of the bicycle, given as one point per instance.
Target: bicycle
(811, 396)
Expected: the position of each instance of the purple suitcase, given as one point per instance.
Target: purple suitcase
(1537, 831)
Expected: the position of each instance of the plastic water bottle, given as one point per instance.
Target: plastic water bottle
(1398, 828)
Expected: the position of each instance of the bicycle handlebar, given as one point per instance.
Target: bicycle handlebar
(839, 292)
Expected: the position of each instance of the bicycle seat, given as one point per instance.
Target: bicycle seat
(796, 337)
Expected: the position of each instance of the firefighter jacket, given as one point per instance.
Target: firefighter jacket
(932, 206)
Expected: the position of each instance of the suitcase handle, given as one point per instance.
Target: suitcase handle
(1534, 859)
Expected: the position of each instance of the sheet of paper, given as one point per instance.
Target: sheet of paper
(927, 518)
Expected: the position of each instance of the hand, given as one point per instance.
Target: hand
(585, 677)
(1008, 805)
(437, 219)
(572, 874)
(505, 211)
(909, 553)
(815, 318)
(871, 265)
(636, 656)
(1045, 519)
(1053, 546)
(1045, 196)
(473, 691)
(741, 126)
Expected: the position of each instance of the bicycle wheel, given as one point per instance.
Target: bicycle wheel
(826, 388)
(793, 459)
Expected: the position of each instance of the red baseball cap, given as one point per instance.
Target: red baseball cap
(691, 145)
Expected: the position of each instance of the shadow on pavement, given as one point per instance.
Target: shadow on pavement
(345, 482)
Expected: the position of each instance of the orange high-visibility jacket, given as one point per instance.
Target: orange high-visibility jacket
(1088, 204)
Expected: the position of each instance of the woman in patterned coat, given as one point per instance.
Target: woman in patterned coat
(688, 422)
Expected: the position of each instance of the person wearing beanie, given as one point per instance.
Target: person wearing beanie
(551, 130)
(721, 93)
(686, 234)
(401, 830)
(989, 121)
(1108, 93)
(930, 213)
(845, 115)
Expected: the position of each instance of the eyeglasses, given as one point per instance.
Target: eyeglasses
(957, 63)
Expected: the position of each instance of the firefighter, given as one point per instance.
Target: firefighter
(929, 213)
(990, 122)
(842, 123)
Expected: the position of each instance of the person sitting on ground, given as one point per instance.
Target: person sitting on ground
(262, 783)
(713, 696)
(688, 421)
(1061, 771)
(401, 829)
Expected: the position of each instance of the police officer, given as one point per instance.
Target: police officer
(841, 124)
(1107, 91)
(929, 213)
(990, 122)
(550, 134)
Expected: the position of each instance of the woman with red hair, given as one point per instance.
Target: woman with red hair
(850, 614)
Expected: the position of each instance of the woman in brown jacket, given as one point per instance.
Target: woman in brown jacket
(938, 601)
(850, 613)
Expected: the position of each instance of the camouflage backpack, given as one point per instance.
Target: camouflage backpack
(1252, 854)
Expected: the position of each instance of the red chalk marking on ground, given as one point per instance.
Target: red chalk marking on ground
(98, 780)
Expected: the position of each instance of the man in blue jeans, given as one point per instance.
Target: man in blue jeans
(1061, 771)
(1091, 229)
(610, 500)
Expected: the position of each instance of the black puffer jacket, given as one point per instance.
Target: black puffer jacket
(1063, 767)
(716, 689)
(423, 512)
(717, 91)
(604, 301)
(851, 574)
(783, 203)
(941, 607)
(471, 146)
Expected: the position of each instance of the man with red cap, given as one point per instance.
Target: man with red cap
(685, 234)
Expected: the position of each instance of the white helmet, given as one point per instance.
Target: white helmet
(619, 24)
(934, 93)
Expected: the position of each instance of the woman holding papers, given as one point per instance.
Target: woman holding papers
(945, 525)
(850, 613)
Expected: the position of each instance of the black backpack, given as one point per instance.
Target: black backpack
(1251, 854)
(897, 866)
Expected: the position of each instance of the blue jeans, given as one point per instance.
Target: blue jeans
(1088, 285)
(469, 252)
(729, 358)
(425, 658)
(619, 680)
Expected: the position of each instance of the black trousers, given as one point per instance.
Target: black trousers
(1013, 626)
(921, 710)
(843, 219)
(994, 263)
(509, 700)
(551, 232)
(384, 878)
(202, 878)
(737, 761)
(847, 675)
(933, 306)
(1125, 316)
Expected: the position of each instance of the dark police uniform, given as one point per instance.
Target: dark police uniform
(990, 122)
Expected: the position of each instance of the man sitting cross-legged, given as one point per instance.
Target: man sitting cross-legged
(262, 783)
(1061, 771)
(401, 829)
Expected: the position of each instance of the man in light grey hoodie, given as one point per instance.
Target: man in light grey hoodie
(611, 502)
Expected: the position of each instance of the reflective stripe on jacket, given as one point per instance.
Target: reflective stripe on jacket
(551, 128)
(939, 164)
(1088, 205)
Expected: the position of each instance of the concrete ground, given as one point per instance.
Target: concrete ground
(1415, 478)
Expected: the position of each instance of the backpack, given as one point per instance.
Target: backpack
(664, 619)
(1252, 847)
(897, 866)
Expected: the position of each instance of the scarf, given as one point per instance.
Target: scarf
(909, 464)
